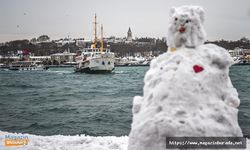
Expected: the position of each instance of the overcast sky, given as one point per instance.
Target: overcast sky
(25, 19)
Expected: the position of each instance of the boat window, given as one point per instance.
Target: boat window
(87, 55)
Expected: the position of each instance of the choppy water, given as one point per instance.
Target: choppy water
(59, 101)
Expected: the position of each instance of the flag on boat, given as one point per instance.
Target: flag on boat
(26, 52)
(23, 52)
(19, 52)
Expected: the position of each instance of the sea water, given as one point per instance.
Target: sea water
(59, 101)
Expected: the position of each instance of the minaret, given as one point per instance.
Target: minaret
(129, 35)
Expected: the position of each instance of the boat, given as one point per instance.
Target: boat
(27, 66)
(3, 66)
(132, 61)
(95, 60)
(240, 56)
(92, 60)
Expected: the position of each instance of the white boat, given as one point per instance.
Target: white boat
(27, 66)
(95, 60)
(237, 55)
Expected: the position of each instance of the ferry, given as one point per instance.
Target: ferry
(95, 60)
(27, 66)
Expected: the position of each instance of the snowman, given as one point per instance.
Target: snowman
(187, 90)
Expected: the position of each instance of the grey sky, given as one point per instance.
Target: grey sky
(24, 19)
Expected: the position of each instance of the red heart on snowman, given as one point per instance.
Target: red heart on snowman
(197, 68)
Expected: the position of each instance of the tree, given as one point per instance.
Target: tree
(33, 41)
(245, 40)
(43, 38)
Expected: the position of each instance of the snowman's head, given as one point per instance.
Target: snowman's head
(186, 27)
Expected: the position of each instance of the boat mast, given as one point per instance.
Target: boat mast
(101, 39)
(95, 32)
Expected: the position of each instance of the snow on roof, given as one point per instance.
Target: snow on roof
(39, 56)
(63, 54)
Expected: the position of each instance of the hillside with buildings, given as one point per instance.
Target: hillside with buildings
(64, 50)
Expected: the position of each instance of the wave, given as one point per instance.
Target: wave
(62, 109)
(60, 72)
(20, 86)
(121, 72)
(36, 125)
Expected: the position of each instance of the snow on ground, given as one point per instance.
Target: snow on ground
(60, 142)
(82, 142)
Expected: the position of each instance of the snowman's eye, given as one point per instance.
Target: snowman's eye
(187, 21)
(175, 19)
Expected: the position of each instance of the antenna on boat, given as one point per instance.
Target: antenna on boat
(101, 39)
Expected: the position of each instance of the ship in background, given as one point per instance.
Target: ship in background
(27, 66)
(240, 56)
(25, 63)
(93, 59)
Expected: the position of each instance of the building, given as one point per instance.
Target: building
(129, 35)
(64, 41)
(82, 42)
(40, 58)
(8, 59)
(62, 58)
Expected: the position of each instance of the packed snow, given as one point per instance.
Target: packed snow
(181, 101)
(60, 142)
(186, 27)
(187, 91)
(78, 142)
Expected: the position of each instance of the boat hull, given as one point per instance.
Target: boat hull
(28, 68)
(91, 71)
(96, 65)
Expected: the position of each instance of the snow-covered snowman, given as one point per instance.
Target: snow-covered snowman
(187, 90)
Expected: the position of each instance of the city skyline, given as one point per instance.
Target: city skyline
(61, 18)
